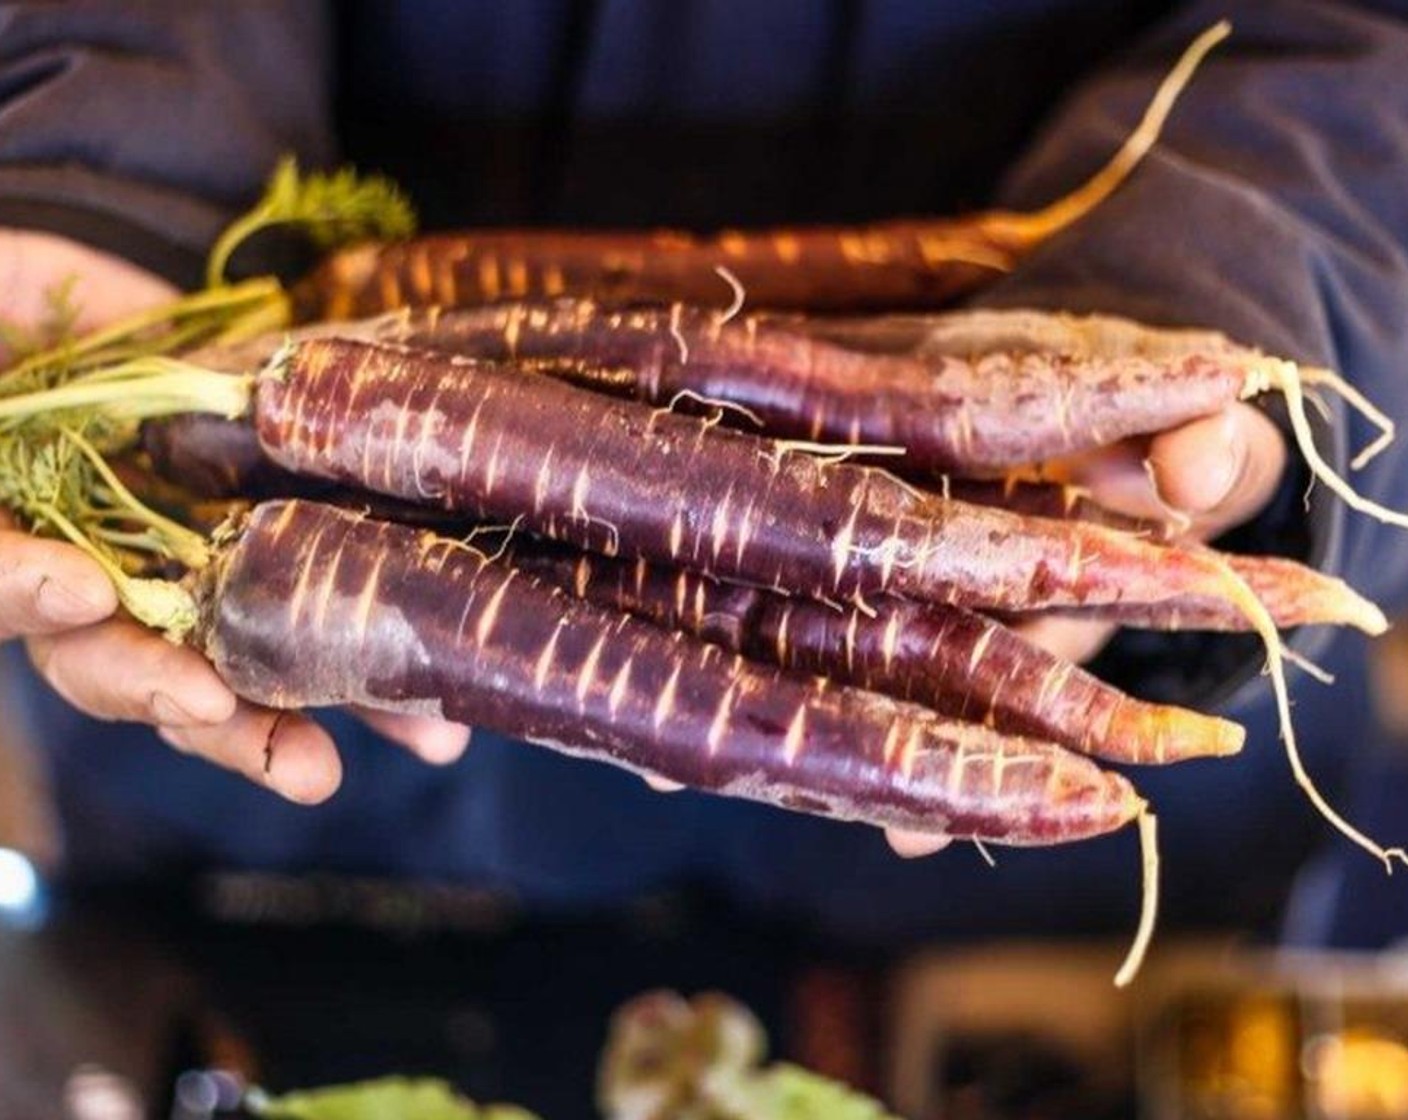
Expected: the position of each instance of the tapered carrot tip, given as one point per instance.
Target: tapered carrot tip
(1123, 797)
(1081, 805)
(1299, 596)
(1368, 617)
(1329, 602)
(1374, 622)
(1158, 734)
(1230, 738)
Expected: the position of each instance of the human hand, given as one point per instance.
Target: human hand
(62, 604)
(1216, 473)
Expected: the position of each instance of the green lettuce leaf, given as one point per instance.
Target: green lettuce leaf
(393, 1098)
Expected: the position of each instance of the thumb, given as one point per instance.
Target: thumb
(1221, 469)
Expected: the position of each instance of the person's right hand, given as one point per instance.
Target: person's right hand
(60, 602)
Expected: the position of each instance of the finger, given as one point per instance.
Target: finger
(1117, 478)
(46, 586)
(662, 785)
(1070, 638)
(118, 670)
(913, 845)
(284, 751)
(1221, 469)
(39, 267)
(432, 740)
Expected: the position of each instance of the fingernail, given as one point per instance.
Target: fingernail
(172, 738)
(170, 713)
(444, 745)
(1233, 460)
(58, 602)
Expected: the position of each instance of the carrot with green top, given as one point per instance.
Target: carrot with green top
(620, 477)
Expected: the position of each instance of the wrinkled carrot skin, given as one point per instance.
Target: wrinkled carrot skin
(615, 476)
(886, 266)
(969, 414)
(947, 658)
(312, 605)
(1294, 594)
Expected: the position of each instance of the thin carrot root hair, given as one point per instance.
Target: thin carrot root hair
(1179, 521)
(1308, 667)
(1031, 229)
(740, 296)
(677, 334)
(719, 405)
(1289, 379)
(1240, 594)
(1329, 379)
(1149, 903)
(507, 533)
(833, 452)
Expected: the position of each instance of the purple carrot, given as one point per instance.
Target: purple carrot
(615, 476)
(310, 605)
(947, 658)
(974, 413)
(923, 262)
(217, 458)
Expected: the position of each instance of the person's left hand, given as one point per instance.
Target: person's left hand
(104, 663)
(1217, 472)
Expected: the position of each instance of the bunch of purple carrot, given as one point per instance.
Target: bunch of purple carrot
(763, 554)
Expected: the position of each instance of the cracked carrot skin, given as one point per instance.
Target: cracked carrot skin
(311, 605)
(619, 477)
(974, 413)
(947, 658)
(888, 265)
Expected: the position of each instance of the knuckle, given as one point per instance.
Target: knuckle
(79, 667)
(13, 560)
(68, 675)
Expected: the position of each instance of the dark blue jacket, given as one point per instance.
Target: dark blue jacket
(1276, 209)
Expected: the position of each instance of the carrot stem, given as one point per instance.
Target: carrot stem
(157, 603)
(136, 390)
(218, 305)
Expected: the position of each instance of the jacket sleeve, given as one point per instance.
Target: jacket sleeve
(1274, 209)
(142, 127)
